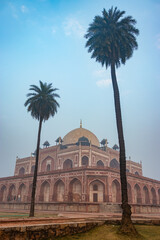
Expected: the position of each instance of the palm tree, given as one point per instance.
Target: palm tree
(42, 104)
(111, 39)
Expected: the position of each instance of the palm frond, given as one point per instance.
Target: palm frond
(41, 101)
(112, 37)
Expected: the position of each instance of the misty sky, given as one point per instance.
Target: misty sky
(44, 40)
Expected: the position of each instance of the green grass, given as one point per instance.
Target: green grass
(109, 232)
(24, 215)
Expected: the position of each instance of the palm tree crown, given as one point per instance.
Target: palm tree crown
(111, 38)
(41, 102)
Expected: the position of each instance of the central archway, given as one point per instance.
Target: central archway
(96, 191)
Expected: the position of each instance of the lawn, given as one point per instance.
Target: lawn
(109, 232)
(24, 215)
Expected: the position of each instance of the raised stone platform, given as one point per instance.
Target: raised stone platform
(81, 207)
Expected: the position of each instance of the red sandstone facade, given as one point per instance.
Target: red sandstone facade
(78, 170)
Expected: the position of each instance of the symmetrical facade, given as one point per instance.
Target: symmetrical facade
(78, 170)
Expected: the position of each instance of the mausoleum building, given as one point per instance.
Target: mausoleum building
(78, 174)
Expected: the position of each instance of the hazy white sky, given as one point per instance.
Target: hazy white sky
(44, 40)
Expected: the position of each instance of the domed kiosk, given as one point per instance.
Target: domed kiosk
(77, 135)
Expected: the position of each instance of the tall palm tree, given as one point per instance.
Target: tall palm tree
(42, 104)
(111, 39)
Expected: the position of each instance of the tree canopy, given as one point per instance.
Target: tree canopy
(112, 38)
(41, 102)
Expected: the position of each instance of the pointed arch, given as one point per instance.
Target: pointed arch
(116, 196)
(129, 193)
(21, 171)
(68, 164)
(75, 190)
(146, 195)
(12, 193)
(44, 191)
(114, 163)
(153, 196)
(137, 194)
(96, 191)
(46, 162)
(100, 164)
(22, 193)
(85, 161)
(3, 193)
(30, 192)
(32, 169)
(59, 191)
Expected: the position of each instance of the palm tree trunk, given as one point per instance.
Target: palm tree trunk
(35, 171)
(126, 223)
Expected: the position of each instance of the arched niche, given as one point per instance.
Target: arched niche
(136, 173)
(75, 190)
(85, 161)
(114, 163)
(67, 164)
(21, 171)
(32, 169)
(12, 193)
(3, 193)
(96, 191)
(129, 193)
(29, 193)
(59, 191)
(21, 193)
(44, 192)
(46, 162)
(100, 164)
(146, 195)
(153, 196)
(48, 168)
(137, 194)
(116, 194)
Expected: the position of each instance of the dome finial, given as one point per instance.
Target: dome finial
(81, 123)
